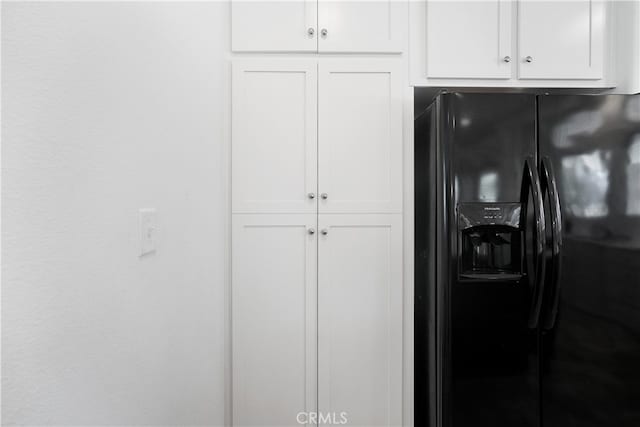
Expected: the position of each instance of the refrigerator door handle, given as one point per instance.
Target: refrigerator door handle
(549, 186)
(531, 186)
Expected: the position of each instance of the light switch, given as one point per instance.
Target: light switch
(147, 231)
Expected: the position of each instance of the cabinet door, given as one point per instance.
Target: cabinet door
(274, 136)
(274, 319)
(360, 318)
(469, 39)
(561, 39)
(274, 26)
(360, 136)
(361, 26)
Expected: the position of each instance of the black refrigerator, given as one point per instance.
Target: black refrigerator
(527, 260)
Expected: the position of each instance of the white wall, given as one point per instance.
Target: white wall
(109, 107)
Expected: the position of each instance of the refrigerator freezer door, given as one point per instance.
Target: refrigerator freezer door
(488, 353)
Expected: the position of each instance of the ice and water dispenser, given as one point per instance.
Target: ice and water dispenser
(490, 241)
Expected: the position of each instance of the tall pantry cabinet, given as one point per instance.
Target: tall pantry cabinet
(317, 239)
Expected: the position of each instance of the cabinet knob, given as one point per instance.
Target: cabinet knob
(311, 32)
(324, 196)
(311, 231)
(507, 58)
(311, 195)
(324, 231)
(528, 59)
(324, 32)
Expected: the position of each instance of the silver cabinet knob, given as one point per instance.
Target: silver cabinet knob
(311, 231)
(324, 32)
(311, 195)
(324, 231)
(324, 196)
(311, 32)
(528, 59)
(507, 58)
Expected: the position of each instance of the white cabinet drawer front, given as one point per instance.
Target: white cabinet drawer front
(274, 134)
(362, 26)
(274, 318)
(469, 39)
(360, 318)
(273, 26)
(360, 136)
(561, 39)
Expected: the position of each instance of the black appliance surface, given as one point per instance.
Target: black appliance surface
(591, 343)
(471, 153)
(527, 260)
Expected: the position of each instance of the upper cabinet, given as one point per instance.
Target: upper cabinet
(510, 43)
(561, 40)
(330, 26)
(626, 42)
(469, 40)
(278, 26)
(361, 26)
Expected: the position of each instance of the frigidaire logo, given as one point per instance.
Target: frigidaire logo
(331, 418)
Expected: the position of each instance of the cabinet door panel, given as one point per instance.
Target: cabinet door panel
(360, 318)
(360, 136)
(565, 39)
(274, 134)
(362, 26)
(273, 26)
(468, 39)
(274, 318)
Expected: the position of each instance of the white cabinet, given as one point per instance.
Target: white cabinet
(274, 151)
(354, 165)
(511, 43)
(274, 320)
(319, 26)
(561, 39)
(272, 26)
(626, 15)
(469, 39)
(337, 260)
(360, 318)
(360, 136)
(361, 26)
(317, 316)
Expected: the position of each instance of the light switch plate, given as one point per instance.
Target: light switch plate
(147, 231)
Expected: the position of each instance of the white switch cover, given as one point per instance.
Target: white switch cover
(147, 231)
